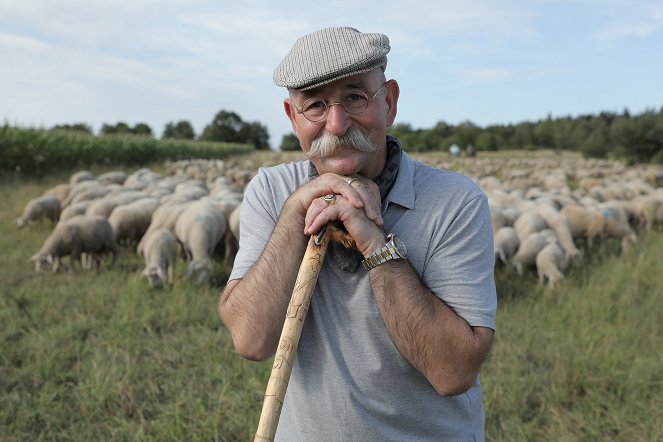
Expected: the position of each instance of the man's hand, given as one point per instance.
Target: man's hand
(362, 221)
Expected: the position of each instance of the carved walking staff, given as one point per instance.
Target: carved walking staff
(292, 328)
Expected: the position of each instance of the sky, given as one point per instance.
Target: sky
(484, 61)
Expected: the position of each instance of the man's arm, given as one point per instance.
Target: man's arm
(253, 308)
(427, 332)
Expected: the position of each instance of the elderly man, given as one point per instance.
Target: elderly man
(398, 328)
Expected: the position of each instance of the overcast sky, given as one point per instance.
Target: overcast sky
(490, 62)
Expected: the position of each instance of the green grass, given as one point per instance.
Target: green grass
(100, 356)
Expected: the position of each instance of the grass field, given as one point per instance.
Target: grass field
(100, 356)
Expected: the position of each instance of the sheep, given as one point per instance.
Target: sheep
(130, 221)
(114, 177)
(199, 228)
(550, 261)
(648, 209)
(590, 224)
(92, 235)
(527, 223)
(74, 210)
(505, 242)
(104, 206)
(526, 254)
(159, 253)
(78, 177)
(42, 207)
(165, 216)
(558, 222)
(59, 191)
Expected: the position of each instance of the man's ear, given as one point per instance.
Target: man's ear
(291, 112)
(392, 91)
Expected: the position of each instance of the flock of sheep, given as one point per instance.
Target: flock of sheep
(545, 212)
(161, 216)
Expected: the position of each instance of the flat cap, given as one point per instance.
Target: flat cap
(331, 54)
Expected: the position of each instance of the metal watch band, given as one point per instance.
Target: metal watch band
(384, 254)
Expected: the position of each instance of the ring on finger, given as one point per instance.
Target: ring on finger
(329, 199)
(352, 180)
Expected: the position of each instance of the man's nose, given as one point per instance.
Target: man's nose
(338, 120)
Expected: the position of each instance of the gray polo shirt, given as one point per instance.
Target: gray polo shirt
(349, 382)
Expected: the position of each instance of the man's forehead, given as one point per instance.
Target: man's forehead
(361, 82)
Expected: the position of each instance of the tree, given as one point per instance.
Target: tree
(229, 127)
(256, 134)
(183, 130)
(142, 129)
(224, 127)
(289, 142)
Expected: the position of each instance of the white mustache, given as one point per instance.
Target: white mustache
(327, 144)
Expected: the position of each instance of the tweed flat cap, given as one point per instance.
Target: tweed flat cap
(331, 54)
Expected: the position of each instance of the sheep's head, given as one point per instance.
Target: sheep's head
(42, 261)
(155, 275)
(199, 270)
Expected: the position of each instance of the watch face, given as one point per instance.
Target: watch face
(400, 246)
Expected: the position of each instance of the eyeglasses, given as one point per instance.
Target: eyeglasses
(353, 102)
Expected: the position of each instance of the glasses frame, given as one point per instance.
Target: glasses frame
(328, 105)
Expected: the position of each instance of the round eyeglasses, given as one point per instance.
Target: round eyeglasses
(354, 102)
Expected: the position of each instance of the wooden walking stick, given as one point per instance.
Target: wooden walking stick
(292, 328)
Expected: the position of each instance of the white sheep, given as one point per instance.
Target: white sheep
(505, 242)
(526, 254)
(130, 221)
(590, 224)
(78, 177)
(527, 223)
(37, 209)
(165, 216)
(199, 228)
(550, 261)
(558, 222)
(74, 210)
(160, 253)
(91, 235)
(59, 191)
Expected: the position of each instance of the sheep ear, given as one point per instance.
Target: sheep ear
(49, 259)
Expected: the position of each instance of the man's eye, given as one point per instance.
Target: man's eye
(314, 105)
(354, 98)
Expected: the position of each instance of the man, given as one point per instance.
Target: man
(397, 330)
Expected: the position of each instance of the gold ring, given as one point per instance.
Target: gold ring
(352, 180)
(329, 199)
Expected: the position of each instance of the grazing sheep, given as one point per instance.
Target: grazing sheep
(59, 191)
(74, 210)
(165, 216)
(114, 177)
(558, 222)
(648, 209)
(42, 207)
(199, 228)
(527, 223)
(550, 262)
(104, 206)
(526, 254)
(130, 221)
(590, 224)
(78, 177)
(82, 234)
(506, 243)
(160, 253)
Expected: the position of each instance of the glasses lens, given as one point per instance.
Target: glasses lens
(354, 102)
(314, 109)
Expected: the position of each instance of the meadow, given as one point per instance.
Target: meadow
(98, 355)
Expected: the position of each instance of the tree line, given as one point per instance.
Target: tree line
(634, 138)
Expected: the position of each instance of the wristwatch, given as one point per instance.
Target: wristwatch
(394, 249)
